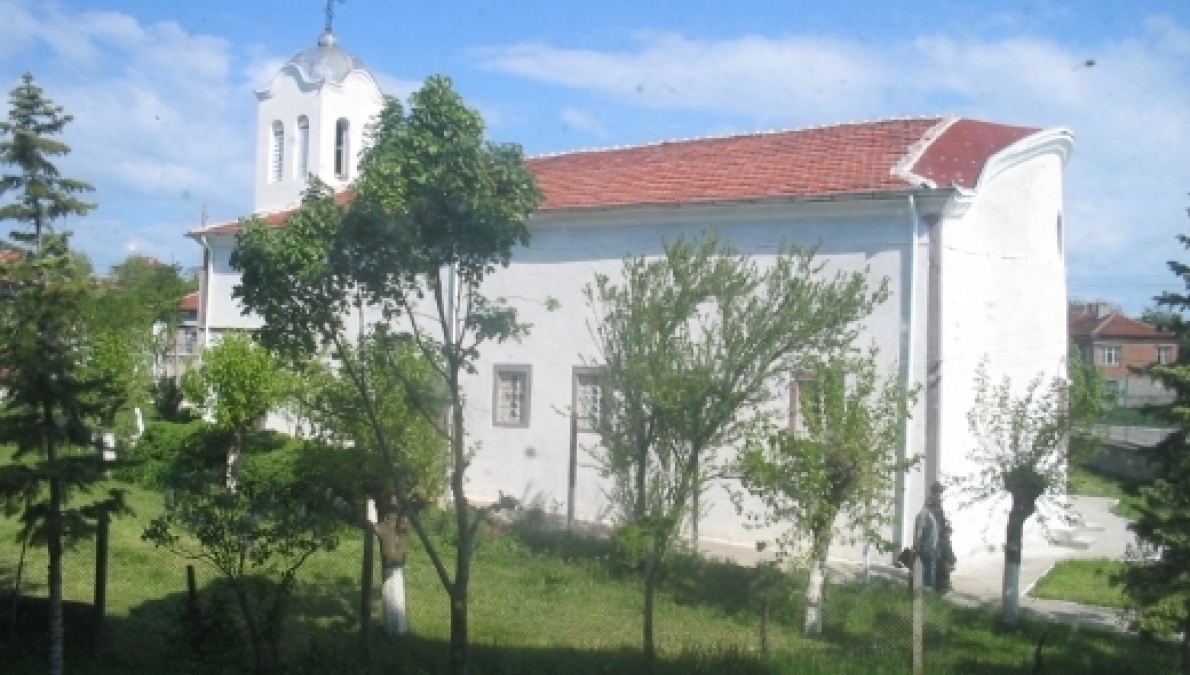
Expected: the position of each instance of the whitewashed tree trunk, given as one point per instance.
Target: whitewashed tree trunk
(396, 619)
(233, 468)
(1011, 595)
(813, 622)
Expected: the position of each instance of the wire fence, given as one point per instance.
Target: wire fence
(542, 600)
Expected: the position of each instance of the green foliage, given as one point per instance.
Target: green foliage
(27, 144)
(167, 448)
(257, 536)
(1021, 443)
(238, 383)
(843, 460)
(690, 341)
(1158, 576)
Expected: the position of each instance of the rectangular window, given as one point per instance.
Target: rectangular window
(1114, 389)
(510, 395)
(1164, 354)
(1109, 356)
(587, 399)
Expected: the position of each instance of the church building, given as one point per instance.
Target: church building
(962, 217)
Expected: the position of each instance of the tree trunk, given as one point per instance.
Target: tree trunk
(813, 621)
(99, 606)
(394, 532)
(254, 636)
(54, 544)
(396, 619)
(233, 460)
(650, 650)
(1011, 587)
(459, 647)
(365, 586)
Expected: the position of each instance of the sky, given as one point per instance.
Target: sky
(164, 113)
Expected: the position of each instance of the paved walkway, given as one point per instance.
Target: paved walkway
(977, 578)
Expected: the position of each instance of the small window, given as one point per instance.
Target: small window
(587, 399)
(303, 166)
(1109, 355)
(510, 395)
(342, 127)
(1114, 389)
(1164, 354)
(278, 153)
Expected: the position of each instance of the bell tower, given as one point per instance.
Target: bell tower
(311, 120)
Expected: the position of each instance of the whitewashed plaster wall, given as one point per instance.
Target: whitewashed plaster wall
(1004, 300)
(289, 96)
(567, 251)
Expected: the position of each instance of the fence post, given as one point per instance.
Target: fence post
(918, 615)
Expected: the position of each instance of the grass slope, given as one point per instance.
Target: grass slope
(545, 602)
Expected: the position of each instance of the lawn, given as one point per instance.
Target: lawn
(1083, 581)
(1085, 479)
(543, 601)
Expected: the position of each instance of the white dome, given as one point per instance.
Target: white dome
(326, 62)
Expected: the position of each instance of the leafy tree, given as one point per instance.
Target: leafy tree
(1021, 452)
(238, 383)
(44, 195)
(1157, 578)
(356, 472)
(843, 459)
(693, 345)
(50, 399)
(436, 210)
(257, 536)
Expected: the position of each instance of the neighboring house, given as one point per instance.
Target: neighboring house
(963, 219)
(182, 352)
(1121, 347)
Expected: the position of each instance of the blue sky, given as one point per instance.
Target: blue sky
(162, 92)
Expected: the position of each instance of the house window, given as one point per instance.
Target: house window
(1109, 355)
(303, 126)
(341, 148)
(278, 153)
(587, 399)
(510, 395)
(1164, 354)
(1114, 389)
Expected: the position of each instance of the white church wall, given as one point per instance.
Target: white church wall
(567, 251)
(1004, 300)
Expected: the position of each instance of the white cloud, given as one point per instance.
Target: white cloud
(1127, 180)
(581, 120)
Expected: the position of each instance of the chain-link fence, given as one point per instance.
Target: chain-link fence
(542, 600)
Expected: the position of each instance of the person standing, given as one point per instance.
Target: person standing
(945, 562)
(925, 543)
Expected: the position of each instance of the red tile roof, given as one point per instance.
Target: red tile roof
(189, 303)
(1112, 326)
(845, 159)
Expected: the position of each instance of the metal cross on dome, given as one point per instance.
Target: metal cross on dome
(330, 13)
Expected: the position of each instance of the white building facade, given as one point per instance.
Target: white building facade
(962, 218)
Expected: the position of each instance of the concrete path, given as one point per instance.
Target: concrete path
(977, 578)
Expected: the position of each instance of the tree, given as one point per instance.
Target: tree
(238, 384)
(692, 346)
(436, 210)
(1157, 577)
(51, 401)
(356, 472)
(1021, 451)
(257, 536)
(842, 459)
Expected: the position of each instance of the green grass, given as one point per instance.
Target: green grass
(1085, 479)
(545, 602)
(1083, 581)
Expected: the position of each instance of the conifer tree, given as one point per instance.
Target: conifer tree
(49, 403)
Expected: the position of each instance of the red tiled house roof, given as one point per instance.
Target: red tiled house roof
(847, 159)
(189, 303)
(1112, 326)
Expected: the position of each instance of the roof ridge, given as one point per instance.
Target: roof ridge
(745, 134)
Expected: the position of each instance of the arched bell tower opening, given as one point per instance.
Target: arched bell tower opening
(311, 120)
